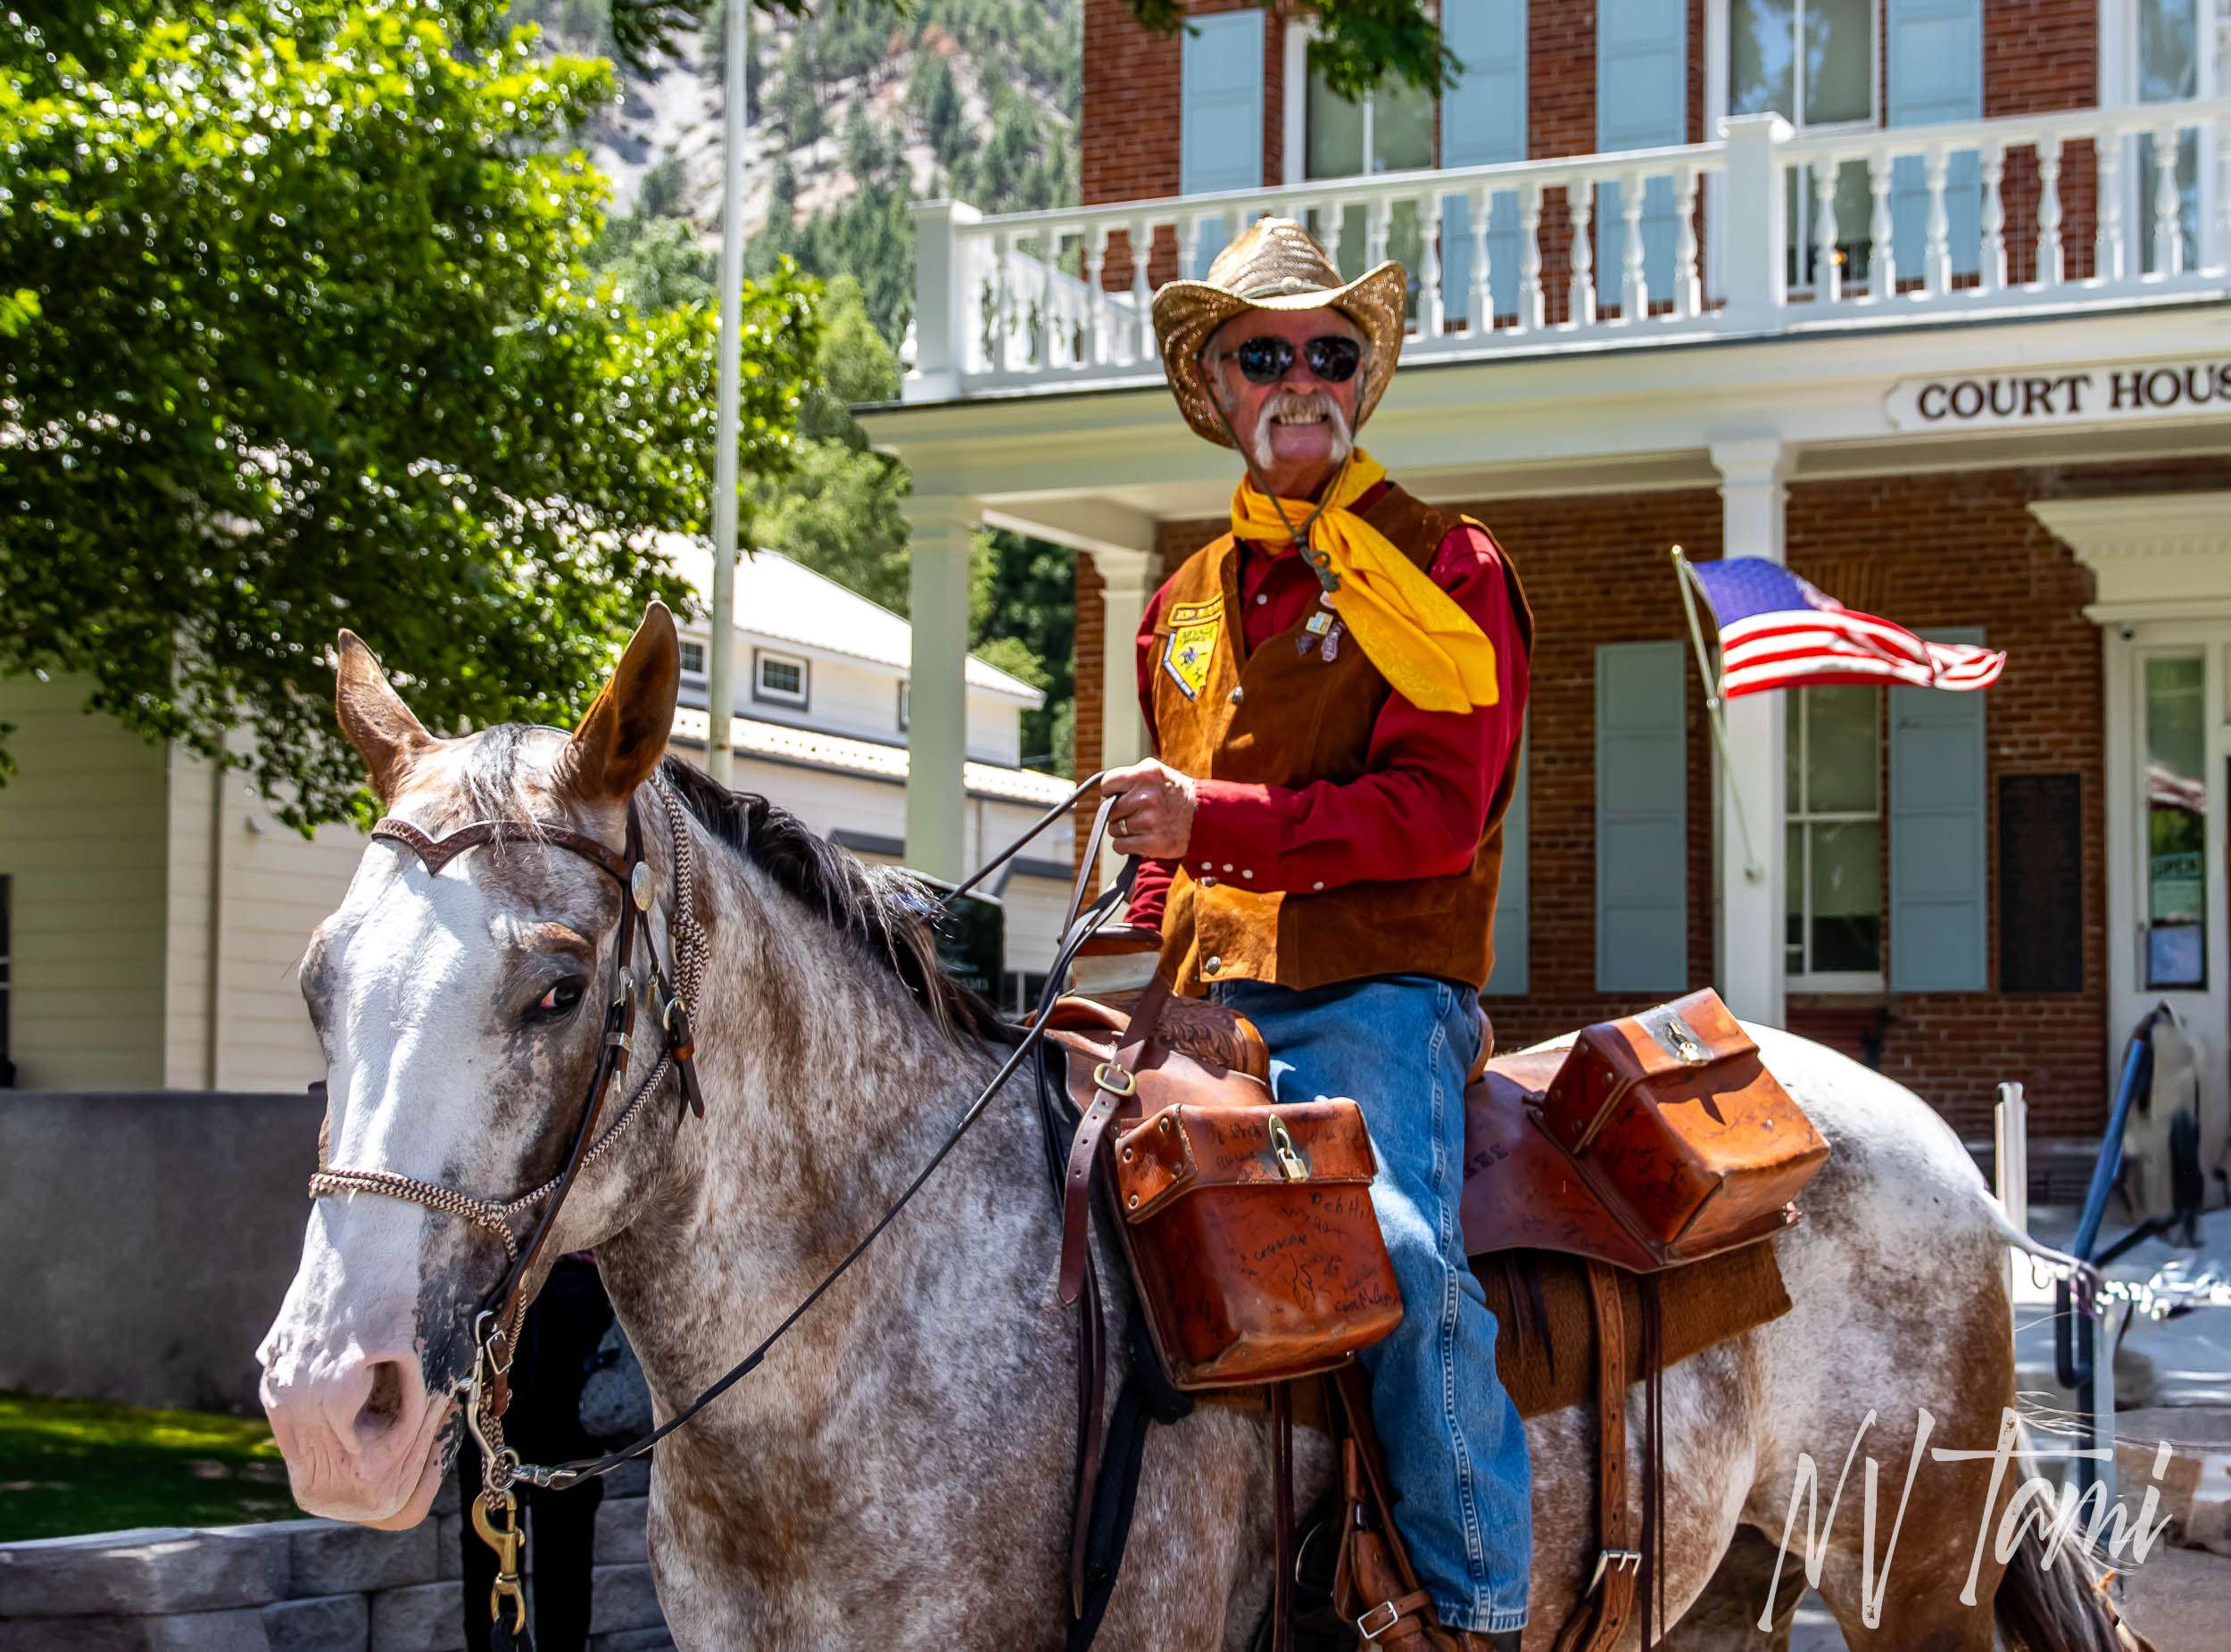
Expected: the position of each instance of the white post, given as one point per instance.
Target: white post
(720, 665)
(937, 699)
(1751, 909)
(943, 300)
(2010, 1170)
(1755, 269)
(1127, 579)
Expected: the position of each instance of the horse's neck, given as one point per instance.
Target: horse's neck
(827, 1088)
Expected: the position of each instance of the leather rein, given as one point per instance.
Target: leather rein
(486, 1394)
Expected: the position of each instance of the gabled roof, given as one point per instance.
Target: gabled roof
(779, 743)
(786, 601)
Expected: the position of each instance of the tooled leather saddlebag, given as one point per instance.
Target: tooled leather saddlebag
(1673, 1121)
(1248, 1227)
(1252, 1237)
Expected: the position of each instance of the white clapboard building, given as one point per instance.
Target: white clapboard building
(151, 915)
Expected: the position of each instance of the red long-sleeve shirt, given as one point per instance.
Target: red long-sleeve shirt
(1421, 807)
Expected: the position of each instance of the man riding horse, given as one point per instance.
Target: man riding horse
(1335, 690)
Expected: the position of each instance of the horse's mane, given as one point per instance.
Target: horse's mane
(884, 907)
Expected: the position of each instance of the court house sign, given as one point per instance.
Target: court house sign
(2108, 394)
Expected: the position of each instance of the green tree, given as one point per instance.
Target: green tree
(933, 99)
(302, 337)
(1022, 618)
(838, 509)
(656, 263)
(659, 195)
(798, 109)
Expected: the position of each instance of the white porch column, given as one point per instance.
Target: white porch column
(1747, 798)
(937, 715)
(1127, 579)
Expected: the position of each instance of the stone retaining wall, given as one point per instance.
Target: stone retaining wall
(297, 1586)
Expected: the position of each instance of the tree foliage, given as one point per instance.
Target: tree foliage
(300, 335)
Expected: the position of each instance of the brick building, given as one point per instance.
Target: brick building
(1932, 309)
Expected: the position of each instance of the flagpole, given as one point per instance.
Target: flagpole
(720, 657)
(1714, 711)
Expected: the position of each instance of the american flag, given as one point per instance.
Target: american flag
(1776, 631)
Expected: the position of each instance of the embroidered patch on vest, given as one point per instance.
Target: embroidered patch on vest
(1192, 644)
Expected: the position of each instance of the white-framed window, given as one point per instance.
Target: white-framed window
(1389, 130)
(906, 706)
(2173, 808)
(692, 659)
(2160, 52)
(1834, 878)
(778, 679)
(1817, 63)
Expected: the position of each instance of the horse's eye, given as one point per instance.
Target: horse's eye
(559, 1002)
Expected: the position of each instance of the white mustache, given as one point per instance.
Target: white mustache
(1300, 406)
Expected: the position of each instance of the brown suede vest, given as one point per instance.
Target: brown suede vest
(1284, 716)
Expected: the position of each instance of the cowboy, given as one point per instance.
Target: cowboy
(1335, 692)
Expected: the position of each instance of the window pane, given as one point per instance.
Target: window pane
(1401, 129)
(1761, 75)
(1839, 60)
(2168, 54)
(2176, 824)
(1794, 900)
(1794, 757)
(782, 677)
(1847, 895)
(1336, 129)
(1843, 759)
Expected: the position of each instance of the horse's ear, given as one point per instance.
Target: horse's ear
(385, 733)
(620, 741)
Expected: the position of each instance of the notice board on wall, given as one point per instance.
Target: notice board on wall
(2041, 883)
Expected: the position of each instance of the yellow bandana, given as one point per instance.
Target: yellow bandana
(1427, 647)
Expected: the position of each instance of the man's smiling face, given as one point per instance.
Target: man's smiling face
(1301, 426)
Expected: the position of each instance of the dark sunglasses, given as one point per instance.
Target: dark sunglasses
(1332, 357)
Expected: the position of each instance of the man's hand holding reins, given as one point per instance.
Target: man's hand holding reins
(1153, 810)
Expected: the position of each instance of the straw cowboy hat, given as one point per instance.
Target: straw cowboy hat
(1274, 265)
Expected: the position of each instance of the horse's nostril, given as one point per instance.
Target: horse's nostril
(383, 1405)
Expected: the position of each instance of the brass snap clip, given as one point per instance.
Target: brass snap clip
(510, 1543)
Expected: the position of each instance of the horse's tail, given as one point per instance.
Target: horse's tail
(2061, 1605)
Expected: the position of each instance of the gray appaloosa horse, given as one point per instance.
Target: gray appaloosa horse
(897, 1473)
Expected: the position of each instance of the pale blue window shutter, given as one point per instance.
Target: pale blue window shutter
(1940, 872)
(1641, 103)
(1935, 75)
(1220, 144)
(1483, 122)
(1641, 818)
(1509, 979)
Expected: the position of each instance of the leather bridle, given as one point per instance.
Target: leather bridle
(486, 1394)
(668, 993)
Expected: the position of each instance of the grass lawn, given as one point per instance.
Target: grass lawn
(72, 1466)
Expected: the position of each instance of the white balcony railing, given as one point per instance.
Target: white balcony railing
(1760, 231)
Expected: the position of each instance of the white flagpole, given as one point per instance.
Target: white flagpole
(720, 694)
(1715, 709)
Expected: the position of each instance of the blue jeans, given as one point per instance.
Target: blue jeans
(1399, 1045)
